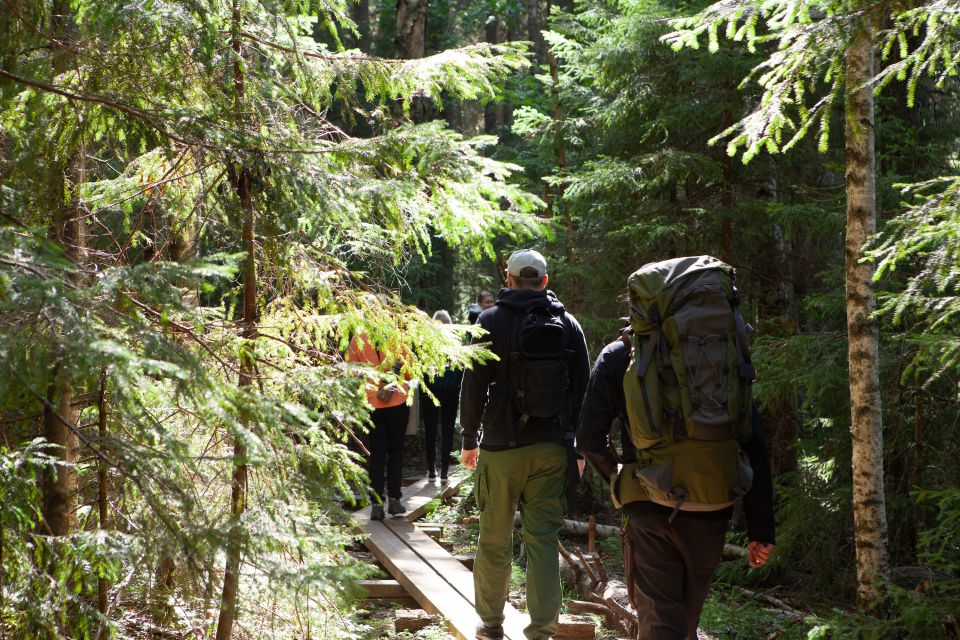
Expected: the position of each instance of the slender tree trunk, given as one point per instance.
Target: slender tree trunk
(554, 195)
(783, 419)
(493, 111)
(60, 486)
(103, 586)
(360, 14)
(238, 493)
(535, 22)
(869, 509)
(411, 31)
(726, 194)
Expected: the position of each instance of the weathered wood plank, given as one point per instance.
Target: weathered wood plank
(454, 573)
(417, 503)
(420, 580)
(382, 588)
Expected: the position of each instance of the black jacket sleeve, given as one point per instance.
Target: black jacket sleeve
(758, 502)
(474, 389)
(578, 369)
(602, 403)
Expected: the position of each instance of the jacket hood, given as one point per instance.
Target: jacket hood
(524, 299)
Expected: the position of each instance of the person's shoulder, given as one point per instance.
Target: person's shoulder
(616, 348)
(616, 355)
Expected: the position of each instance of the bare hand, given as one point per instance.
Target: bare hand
(758, 553)
(581, 464)
(468, 457)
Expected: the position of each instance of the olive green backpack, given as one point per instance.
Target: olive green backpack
(688, 387)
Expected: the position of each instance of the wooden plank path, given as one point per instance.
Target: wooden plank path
(430, 574)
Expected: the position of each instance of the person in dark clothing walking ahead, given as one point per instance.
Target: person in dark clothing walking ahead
(446, 389)
(524, 404)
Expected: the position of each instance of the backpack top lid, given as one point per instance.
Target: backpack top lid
(654, 286)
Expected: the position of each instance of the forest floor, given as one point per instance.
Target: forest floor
(732, 612)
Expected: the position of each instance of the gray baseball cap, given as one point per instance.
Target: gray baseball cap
(526, 258)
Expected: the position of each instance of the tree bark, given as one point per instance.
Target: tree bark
(60, 486)
(103, 587)
(869, 508)
(535, 21)
(360, 14)
(238, 493)
(411, 28)
(554, 199)
(493, 111)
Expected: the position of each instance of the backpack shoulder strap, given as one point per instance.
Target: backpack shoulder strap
(744, 366)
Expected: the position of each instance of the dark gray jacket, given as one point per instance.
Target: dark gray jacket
(486, 401)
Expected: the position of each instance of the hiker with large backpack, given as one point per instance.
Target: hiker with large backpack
(676, 388)
(527, 406)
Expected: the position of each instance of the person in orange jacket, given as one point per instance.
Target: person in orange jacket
(389, 416)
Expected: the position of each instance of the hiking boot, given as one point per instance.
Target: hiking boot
(432, 473)
(443, 477)
(489, 633)
(395, 507)
(376, 513)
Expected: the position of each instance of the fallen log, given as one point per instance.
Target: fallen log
(577, 528)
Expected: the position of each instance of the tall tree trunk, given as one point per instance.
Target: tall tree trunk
(360, 14)
(59, 416)
(60, 486)
(238, 494)
(493, 111)
(726, 201)
(535, 29)
(554, 195)
(783, 419)
(103, 587)
(411, 31)
(869, 508)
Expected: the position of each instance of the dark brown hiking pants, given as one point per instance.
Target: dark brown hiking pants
(673, 564)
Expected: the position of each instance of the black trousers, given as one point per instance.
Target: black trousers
(386, 449)
(446, 413)
(673, 564)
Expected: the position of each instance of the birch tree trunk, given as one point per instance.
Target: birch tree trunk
(240, 176)
(869, 509)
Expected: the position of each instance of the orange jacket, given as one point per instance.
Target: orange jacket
(362, 351)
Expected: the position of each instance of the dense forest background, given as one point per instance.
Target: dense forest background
(200, 202)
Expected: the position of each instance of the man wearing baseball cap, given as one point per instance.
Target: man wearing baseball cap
(516, 413)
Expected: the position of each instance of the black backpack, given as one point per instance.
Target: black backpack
(537, 370)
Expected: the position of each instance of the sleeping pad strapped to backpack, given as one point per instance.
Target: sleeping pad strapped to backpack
(688, 387)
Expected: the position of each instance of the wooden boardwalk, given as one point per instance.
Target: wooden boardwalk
(431, 575)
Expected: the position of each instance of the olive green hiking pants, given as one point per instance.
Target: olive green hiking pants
(531, 478)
